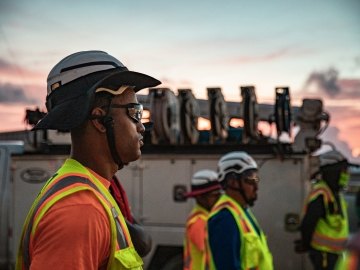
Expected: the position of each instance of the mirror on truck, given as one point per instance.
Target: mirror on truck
(292, 222)
(179, 192)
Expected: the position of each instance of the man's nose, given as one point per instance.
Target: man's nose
(140, 128)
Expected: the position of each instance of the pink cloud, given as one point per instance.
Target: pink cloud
(17, 74)
(12, 117)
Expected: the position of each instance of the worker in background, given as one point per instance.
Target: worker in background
(324, 227)
(205, 188)
(350, 259)
(140, 238)
(75, 222)
(235, 238)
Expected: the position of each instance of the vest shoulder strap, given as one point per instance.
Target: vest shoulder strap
(234, 210)
(56, 188)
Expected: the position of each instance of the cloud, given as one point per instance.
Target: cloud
(350, 88)
(325, 81)
(331, 135)
(328, 83)
(4, 65)
(10, 93)
(13, 73)
(263, 58)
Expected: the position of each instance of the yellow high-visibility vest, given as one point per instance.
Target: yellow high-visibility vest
(72, 177)
(254, 251)
(331, 232)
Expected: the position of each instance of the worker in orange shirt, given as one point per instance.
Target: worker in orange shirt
(75, 222)
(206, 190)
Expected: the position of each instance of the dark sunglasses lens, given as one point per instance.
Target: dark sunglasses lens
(136, 112)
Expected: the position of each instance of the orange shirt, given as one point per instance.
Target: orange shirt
(196, 233)
(73, 234)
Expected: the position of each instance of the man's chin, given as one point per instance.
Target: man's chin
(252, 202)
(136, 157)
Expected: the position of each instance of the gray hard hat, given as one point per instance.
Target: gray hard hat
(71, 86)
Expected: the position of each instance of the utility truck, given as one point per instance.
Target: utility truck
(175, 149)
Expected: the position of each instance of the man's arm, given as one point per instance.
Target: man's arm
(224, 240)
(315, 211)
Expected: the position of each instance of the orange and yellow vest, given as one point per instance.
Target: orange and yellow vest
(70, 178)
(348, 261)
(254, 251)
(195, 259)
(331, 232)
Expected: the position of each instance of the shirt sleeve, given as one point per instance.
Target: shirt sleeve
(72, 236)
(315, 211)
(224, 241)
(196, 233)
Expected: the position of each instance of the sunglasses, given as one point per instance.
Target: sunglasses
(252, 181)
(134, 110)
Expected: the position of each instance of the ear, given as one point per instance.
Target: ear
(97, 119)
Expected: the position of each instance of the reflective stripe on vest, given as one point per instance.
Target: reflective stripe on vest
(336, 244)
(230, 205)
(196, 213)
(319, 190)
(331, 232)
(59, 186)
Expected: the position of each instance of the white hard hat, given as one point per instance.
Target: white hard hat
(236, 162)
(203, 182)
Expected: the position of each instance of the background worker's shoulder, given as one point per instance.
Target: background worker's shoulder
(223, 216)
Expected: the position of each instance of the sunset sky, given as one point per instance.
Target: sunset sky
(311, 46)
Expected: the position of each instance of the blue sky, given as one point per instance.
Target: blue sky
(194, 44)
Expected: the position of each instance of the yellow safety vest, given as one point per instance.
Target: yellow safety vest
(254, 251)
(331, 232)
(72, 177)
(195, 259)
(348, 261)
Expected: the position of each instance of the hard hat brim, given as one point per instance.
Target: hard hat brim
(201, 191)
(73, 112)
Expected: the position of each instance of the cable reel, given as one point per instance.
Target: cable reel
(250, 114)
(164, 110)
(189, 114)
(219, 116)
(282, 110)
